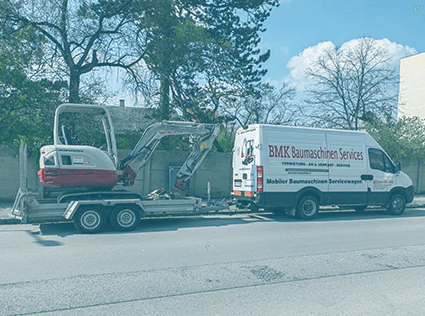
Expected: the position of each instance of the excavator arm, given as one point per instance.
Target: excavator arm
(153, 135)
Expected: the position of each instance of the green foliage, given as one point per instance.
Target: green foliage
(404, 139)
(200, 52)
(194, 45)
(26, 104)
(226, 139)
(127, 141)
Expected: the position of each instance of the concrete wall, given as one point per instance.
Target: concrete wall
(217, 168)
(415, 168)
(155, 175)
(9, 173)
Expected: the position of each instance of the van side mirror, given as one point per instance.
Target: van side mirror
(397, 167)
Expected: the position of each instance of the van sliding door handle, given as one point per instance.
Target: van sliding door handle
(367, 177)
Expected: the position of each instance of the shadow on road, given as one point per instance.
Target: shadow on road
(152, 225)
(351, 215)
(46, 243)
(176, 223)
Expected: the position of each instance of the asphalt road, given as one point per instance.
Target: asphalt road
(339, 264)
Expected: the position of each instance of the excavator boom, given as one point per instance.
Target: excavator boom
(153, 135)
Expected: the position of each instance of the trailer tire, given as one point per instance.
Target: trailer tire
(89, 219)
(125, 217)
(396, 205)
(307, 207)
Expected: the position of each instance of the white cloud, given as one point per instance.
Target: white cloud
(298, 64)
(398, 51)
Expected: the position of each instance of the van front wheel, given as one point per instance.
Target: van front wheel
(397, 204)
(307, 208)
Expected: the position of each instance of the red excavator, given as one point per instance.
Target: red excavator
(93, 170)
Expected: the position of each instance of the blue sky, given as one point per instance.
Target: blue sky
(299, 24)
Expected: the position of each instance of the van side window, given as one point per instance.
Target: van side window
(380, 161)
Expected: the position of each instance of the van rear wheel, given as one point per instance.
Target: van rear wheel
(397, 204)
(307, 208)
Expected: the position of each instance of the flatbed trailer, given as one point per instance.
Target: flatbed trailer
(91, 215)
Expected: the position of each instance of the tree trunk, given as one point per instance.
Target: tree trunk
(164, 100)
(74, 87)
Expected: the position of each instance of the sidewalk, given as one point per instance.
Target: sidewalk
(7, 218)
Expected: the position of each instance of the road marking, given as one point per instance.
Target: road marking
(260, 217)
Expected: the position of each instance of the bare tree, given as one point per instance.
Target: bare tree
(270, 106)
(351, 85)
(82, 35)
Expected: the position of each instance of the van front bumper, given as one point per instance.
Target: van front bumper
(410, 194)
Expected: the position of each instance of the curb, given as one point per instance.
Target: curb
(5, 221)
(414, 205)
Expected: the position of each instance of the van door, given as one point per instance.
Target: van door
(347, 165)
(382, 176)
(247, 168)
(244, 167)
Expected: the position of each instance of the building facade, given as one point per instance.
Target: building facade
(412, 86)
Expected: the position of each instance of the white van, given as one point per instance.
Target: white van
(297, 169)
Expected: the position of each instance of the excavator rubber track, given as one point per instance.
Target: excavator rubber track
(98, 195)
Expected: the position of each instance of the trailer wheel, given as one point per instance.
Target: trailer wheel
(125, 217)
(89, 220)
(397, 204)
(307, 208)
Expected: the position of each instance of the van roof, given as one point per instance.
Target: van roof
(370, 141)
(271, 126)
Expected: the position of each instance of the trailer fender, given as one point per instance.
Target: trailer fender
(107, 205)
(71, 210)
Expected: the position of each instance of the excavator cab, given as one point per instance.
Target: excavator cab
(69, 164)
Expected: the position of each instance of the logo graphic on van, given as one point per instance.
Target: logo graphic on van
(247, 153)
